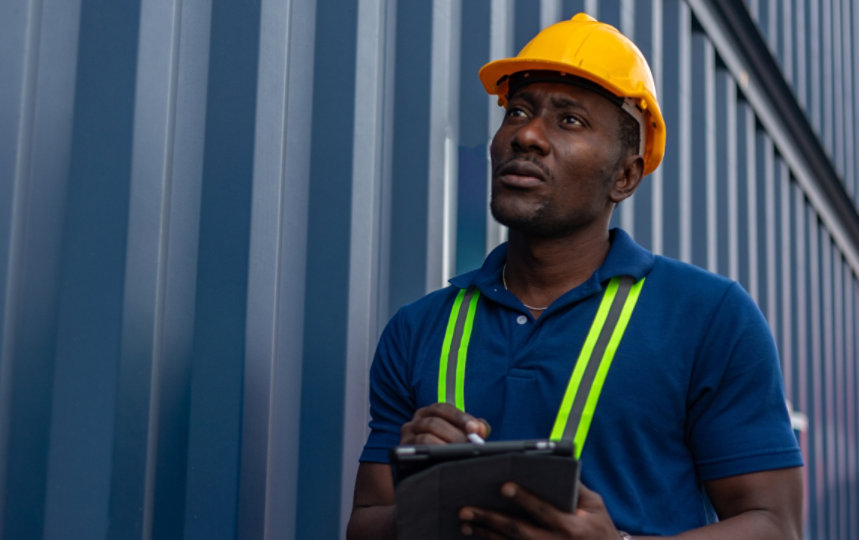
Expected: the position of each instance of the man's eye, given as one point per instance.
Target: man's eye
(572, 120)
(514, 112)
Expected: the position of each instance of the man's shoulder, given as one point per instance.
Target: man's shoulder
(689, 286)
(682, 273)
(427, 306)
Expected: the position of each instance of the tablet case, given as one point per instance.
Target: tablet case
(428, 502)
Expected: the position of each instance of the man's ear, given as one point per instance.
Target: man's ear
(628, 178)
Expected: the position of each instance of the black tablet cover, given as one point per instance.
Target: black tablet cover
(428, 501)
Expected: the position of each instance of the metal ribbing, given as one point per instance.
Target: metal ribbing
(838, 397)
(370, 176)
(770, 240)
(852, 389)
(785, 264)
(443, 143)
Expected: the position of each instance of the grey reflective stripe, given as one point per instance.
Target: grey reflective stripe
(449, 367)
(624, 286)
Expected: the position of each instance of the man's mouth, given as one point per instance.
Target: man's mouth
(521, 174)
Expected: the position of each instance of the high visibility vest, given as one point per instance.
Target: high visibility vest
(591, 368)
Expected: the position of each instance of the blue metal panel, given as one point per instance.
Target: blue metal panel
(772, 213)
(815, 62)
(852, 177)
(852, 390)
(817, 522)
(410, 163)
(759, 279)
(726, 172)
(178, 261)
(787, 282)
(571, 7)
(826, 388)
(29, 333)
(800, 53)
(610, 12)
(91, 287)
(644, 36)
(827, 126)
(217, 365)
(838, 395)
(837, 91)
(473, 144)
(526, 22)
(327, 271)
(164, 507)
(745, 157)
(675, 71)
(701, 114)
(849, 11)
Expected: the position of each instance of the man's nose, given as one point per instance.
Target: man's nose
(531, 137)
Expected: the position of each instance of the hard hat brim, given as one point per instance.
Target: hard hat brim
(494, 75)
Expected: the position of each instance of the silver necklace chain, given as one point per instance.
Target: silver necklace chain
(504, 282)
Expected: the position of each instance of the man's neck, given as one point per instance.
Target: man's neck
(539, 270)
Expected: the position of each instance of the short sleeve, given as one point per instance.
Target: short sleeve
(391, 400)
(738, 420)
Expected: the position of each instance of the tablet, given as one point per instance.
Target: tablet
(434, 481)
(412, 458)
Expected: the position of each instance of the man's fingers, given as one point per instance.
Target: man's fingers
(590, 519)
(482, 523)
(431, 430)
(456, 417)
(486, 429)
(589, 500)
(543, 513)
(441, 423)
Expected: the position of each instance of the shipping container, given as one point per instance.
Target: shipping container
(210, 208)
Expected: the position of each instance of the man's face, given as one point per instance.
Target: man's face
(555, 160)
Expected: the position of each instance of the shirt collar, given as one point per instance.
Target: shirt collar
(625, 257)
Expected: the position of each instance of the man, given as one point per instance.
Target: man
(690, 419)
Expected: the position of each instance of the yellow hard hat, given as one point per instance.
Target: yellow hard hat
(598, 52)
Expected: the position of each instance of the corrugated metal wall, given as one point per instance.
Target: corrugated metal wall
(209, 209)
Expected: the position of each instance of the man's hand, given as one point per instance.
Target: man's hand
(765, 505)
(373, 514)
(442, 423)
(590, 520)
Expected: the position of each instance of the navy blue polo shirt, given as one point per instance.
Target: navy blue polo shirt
(694, 392)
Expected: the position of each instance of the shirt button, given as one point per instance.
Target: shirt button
(521, 319)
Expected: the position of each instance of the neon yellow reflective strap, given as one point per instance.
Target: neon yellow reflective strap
(582, 361)
(581, 398)
(445, 347)
(596, 388)
(463, 350)
(451, 378)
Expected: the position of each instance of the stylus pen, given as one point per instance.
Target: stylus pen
(475, 438)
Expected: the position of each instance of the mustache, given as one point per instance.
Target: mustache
(523, 164)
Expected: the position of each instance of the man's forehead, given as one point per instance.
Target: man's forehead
(557, 94)
(523, 79)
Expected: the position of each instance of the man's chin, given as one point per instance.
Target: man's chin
(507, 217)
(528, 223)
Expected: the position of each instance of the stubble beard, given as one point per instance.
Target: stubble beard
(535, 222)
(539, 218)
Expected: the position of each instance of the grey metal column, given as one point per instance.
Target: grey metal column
(39, 49)
(443, 142)
(276, 281)
(370, 225)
